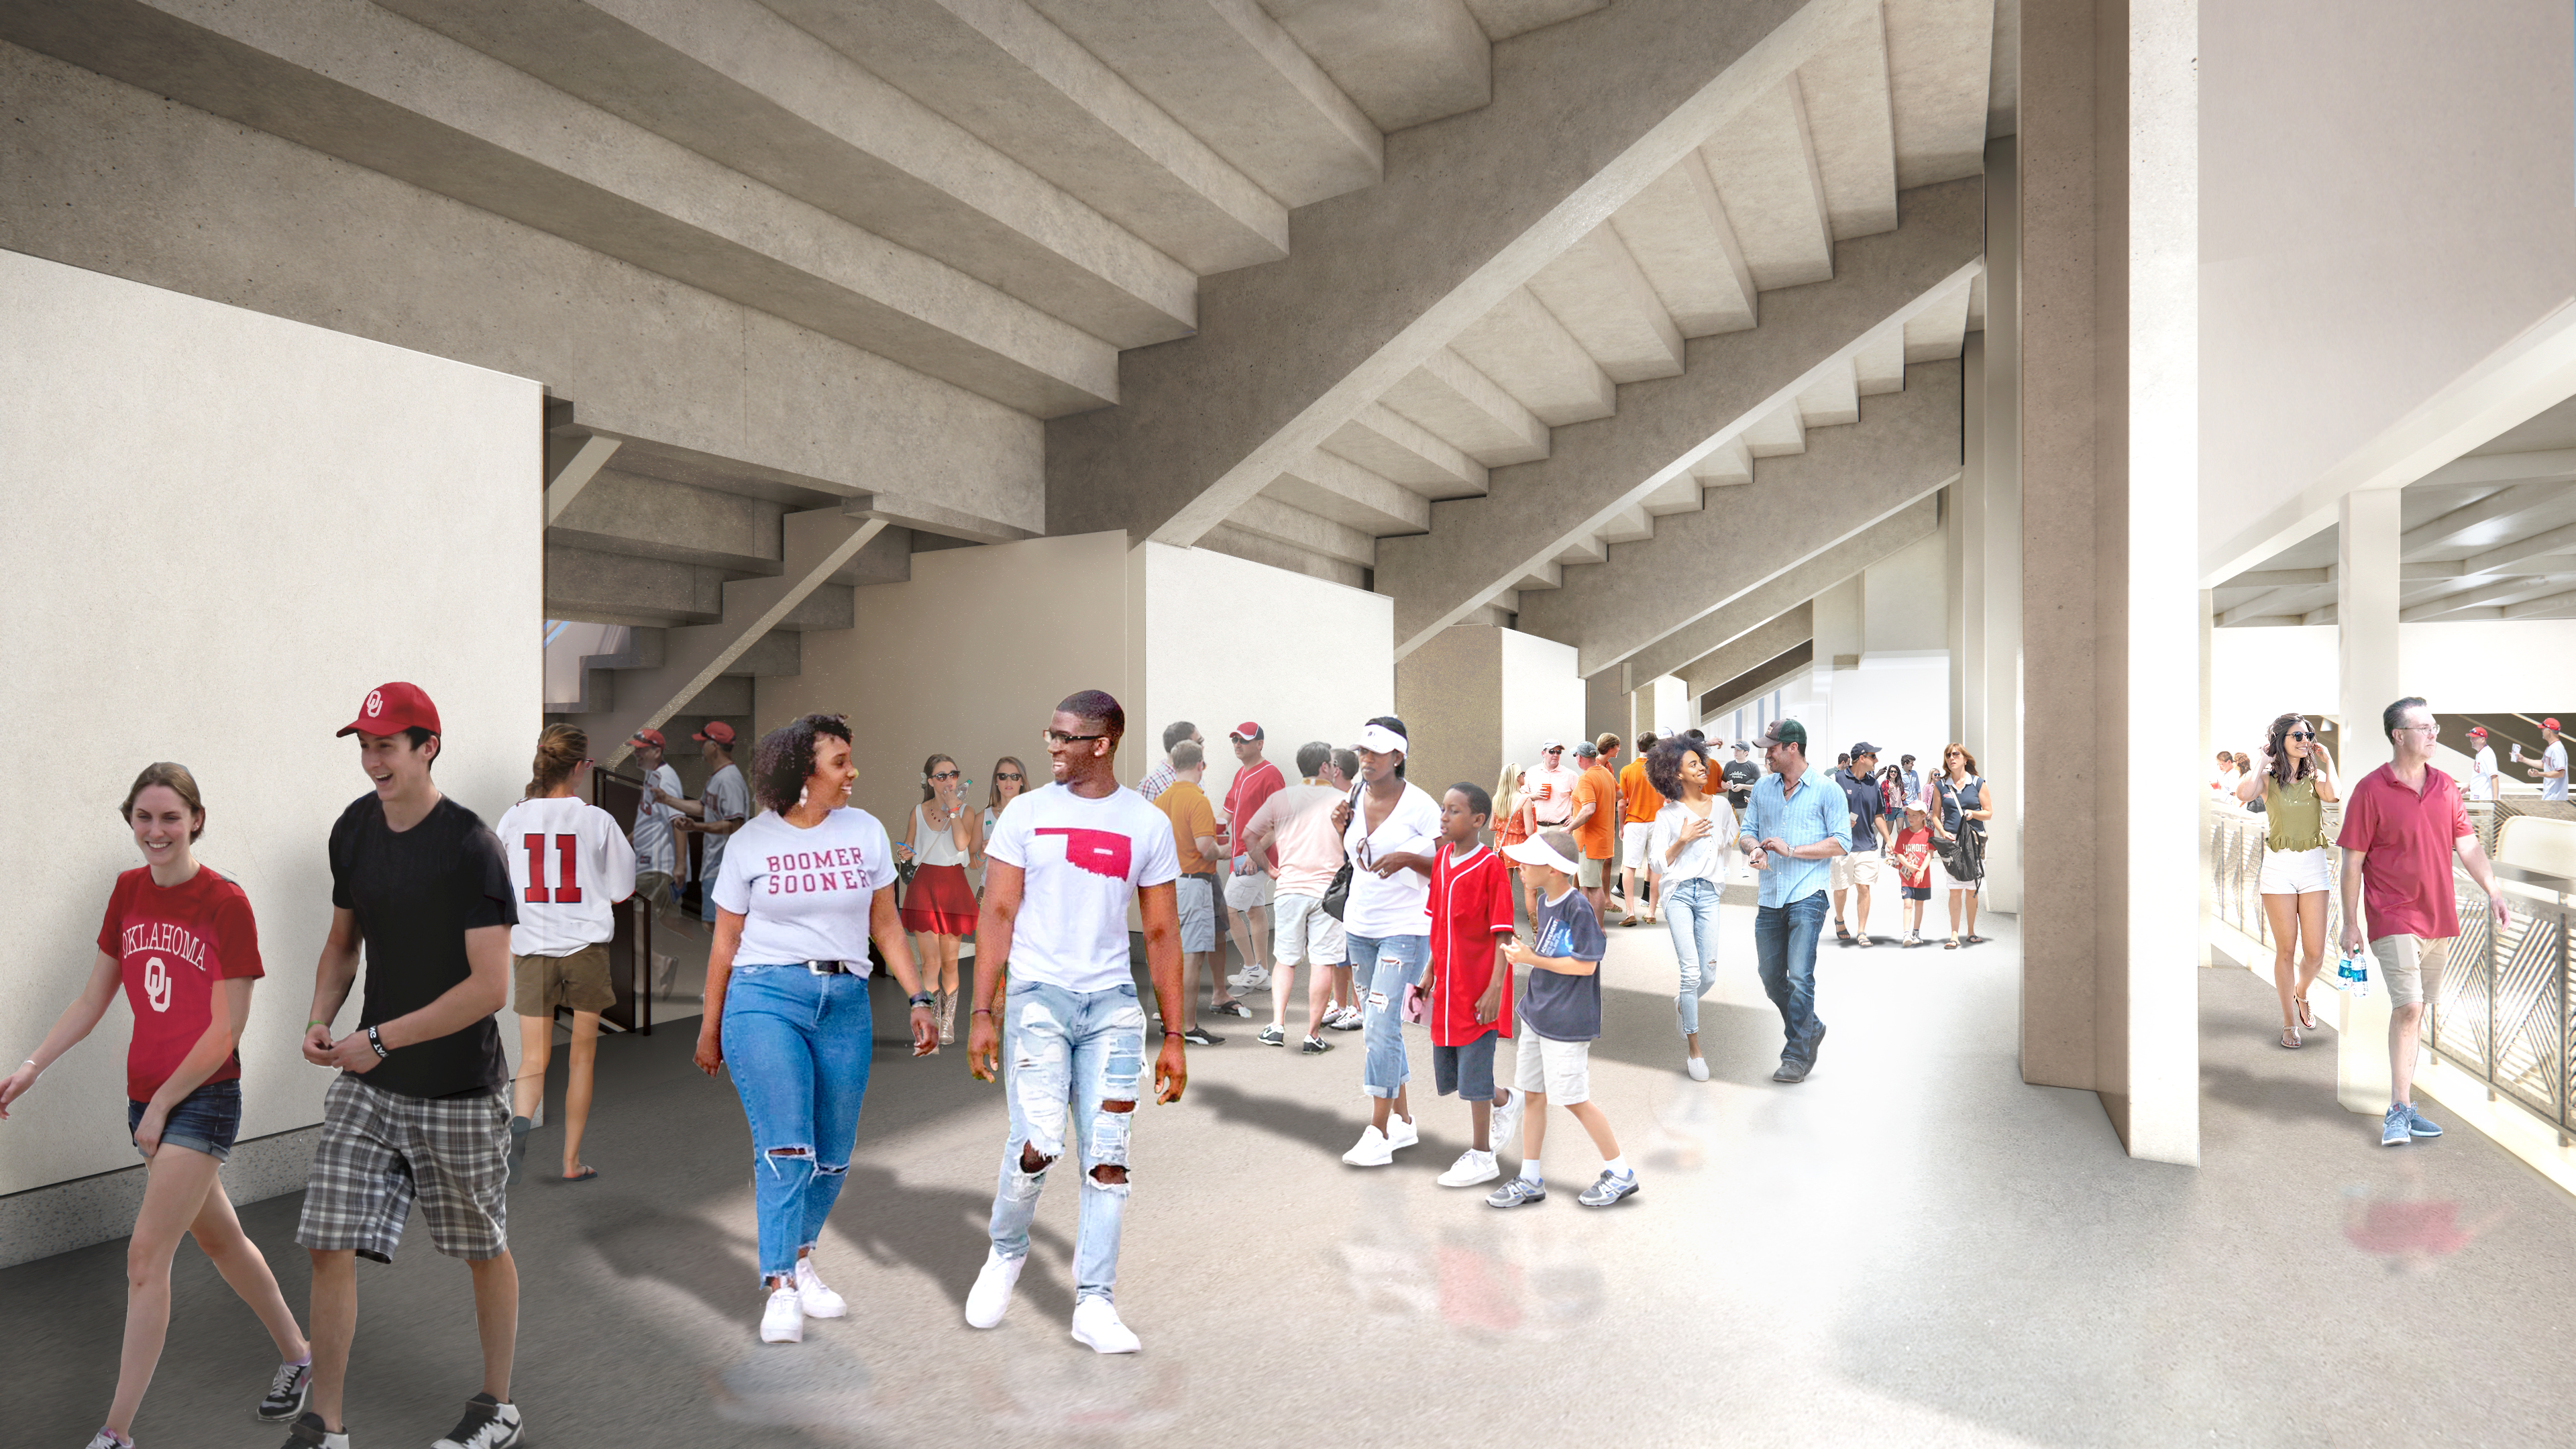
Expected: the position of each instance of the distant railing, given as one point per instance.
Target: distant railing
(2236, 857)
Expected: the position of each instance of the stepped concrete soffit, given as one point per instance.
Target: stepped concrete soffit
(1585, 115)
(1731, 619)
(1764, 642)
(1479, 548)
(1905, 448)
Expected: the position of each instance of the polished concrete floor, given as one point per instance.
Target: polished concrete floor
(1911, 1248)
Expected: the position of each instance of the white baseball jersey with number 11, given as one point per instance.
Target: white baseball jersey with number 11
(569, 863)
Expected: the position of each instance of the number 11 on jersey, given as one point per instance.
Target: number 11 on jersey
(568, 892)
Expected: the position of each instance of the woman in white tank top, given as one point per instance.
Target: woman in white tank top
(939, 902)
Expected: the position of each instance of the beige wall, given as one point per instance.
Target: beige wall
(969, 658)
(224, 529)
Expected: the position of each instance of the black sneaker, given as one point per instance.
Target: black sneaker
(287, 1392)
(488, 1424)
(1271, 1036)
(1315, 1046)
(308, 1433)
(1201, 1036)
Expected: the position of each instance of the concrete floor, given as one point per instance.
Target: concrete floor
(1911, 1248)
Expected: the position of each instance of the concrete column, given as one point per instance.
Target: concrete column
(2366, 649)
(1994, 512)
(2205, 864)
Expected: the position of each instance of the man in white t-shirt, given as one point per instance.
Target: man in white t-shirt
(2482, 765)
(657, 862)
(1552, 785)
(1062, 868)
(718, 811)
(2551, 768)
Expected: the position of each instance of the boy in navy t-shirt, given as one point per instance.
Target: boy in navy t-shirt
(1561, 1013)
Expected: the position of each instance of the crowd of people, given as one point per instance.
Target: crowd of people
(1402, 906)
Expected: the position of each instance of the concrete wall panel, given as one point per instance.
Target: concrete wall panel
(219, 543)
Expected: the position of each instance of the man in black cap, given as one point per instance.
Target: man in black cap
(1857, 871)
(1740, 773)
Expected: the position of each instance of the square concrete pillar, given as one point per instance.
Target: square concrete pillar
(2369, 670)
(1478, 697)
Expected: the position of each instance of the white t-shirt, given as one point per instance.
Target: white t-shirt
(2482, 774)
(1085, 861)
(727, 798)
(804, 894)
(1704, 858)
(1399, 904)
(2554, 758)
(653, 826)
(569, 867)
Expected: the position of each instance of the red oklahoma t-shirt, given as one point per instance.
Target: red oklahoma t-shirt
(1471, 911)
(2406, 885)
(175, 944)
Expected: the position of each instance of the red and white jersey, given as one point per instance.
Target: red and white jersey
(569, 864)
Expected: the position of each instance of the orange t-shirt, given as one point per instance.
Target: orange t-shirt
(1595, 835)
(1642, 800)
(1191, 817)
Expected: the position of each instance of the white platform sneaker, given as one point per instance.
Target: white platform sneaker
(819, 1300)
(1097, 1326)
(990, 1298)
(783, 1321)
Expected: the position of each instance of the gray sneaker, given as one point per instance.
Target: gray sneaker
(1608, 1188)
(2393, 1129)
(2417, 1124)
(1518, 1192)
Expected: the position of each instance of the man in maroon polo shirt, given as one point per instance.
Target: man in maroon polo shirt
(2400, 825)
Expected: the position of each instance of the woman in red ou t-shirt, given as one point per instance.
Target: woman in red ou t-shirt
(180, 939)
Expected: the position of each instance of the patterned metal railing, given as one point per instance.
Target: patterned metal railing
(2236, 857)
(2501, 1014)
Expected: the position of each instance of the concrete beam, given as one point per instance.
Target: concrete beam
(1403, 65)
(736, 82)
(819, 544)
(370, 87)
(1736, 690)
(2494, 514)
(1745, 651)
(615, 588)
(1784, 591)
(1664, 427)
(1289, 352)
(575, 475)
(1269, 518)
(1349, 494)
(625, 513)
(1243, 544)
(1447, 395)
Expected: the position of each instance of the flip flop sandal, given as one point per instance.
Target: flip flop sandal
(1975, 940)
(1952, 944)
(1842, 933)
(1865, 941)
(2290, 1040)
(585, 1175)
(2307, 1015)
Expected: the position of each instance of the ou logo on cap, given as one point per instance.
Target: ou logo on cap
(375, 703)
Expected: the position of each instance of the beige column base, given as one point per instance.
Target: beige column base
(2361, 1045)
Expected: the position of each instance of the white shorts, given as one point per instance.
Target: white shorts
(1302, 933)
(1855, 870)
(1633, 839)
(1562, 1069)
(1942, 880)
(1244, 892)
(2294, 872)
(1198, 914)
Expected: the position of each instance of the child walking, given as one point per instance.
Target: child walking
(1562, 1009)
(1913, 853)
(1470, 985)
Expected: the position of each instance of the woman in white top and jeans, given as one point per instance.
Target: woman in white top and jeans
(939, 901)
(1390, 841)
(803, 888)
(1689, 844)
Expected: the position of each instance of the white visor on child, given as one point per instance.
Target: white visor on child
(1536, 851)
(1377, 739)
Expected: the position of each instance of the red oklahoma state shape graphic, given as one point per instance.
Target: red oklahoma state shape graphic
(1101, 852)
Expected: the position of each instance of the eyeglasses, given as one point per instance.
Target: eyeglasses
(1059, 737)
(1010, 776)
(2303, 734)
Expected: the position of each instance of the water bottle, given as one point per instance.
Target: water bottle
(2360, 977)
(2345, 971)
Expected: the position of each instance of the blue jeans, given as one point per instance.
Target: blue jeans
(1784, 943)
(1064, 1054)
(1690, 913)
(206, 1120)
(798, 1045)
(1381, 967)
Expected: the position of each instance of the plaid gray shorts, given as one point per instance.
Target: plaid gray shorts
(380, 1150)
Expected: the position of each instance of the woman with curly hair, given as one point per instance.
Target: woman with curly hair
(2295, 784)
(1688, 844)
(802, 890)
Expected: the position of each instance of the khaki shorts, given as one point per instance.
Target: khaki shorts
(1855, 870)
(2410, 967)
(654, 886)
(1561, 1069)
(580, 981)
(1593, 870)
(1247, 892)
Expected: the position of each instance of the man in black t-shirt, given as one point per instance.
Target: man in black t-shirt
(1856, 870)
(421, 1108)
(1741, 774)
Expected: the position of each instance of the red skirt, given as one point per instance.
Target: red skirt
(940, 901)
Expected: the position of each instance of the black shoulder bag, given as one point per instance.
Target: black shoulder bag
(1337, 896)
(1963, 855)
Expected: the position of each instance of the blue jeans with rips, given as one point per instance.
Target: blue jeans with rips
(1784, 946)
(798, 1047)
(1381, 967)
(1690, 914)
(1065, 1054)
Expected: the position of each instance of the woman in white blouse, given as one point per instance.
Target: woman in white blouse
(1689, 843)
(1390, 841)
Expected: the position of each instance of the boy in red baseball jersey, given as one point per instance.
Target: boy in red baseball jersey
(1469, 990)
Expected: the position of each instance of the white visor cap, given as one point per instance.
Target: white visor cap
(1536, 851)
(1377, 739)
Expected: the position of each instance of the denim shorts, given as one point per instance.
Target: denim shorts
(1465, 1071)
(206, 1120)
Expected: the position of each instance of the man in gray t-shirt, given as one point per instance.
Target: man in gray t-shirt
(719, 810)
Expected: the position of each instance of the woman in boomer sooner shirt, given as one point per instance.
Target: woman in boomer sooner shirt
(180, 938)
(802, 889)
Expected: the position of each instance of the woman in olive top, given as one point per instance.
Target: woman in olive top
(2296, 783)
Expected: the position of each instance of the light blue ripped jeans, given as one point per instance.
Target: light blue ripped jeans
(1064, 1053)
(1690, 914)
(1383, 967)
(797, 1045)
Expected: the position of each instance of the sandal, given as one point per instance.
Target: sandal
(2290, 1039)
(1951, 944)
(585, 1175)
(1842, 933)
(1973, 939)
(2307, 1015)
(1864, 940)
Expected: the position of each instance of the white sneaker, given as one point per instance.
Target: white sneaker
(819, 1300)
(783, 1321)
(1097, 1326)
(1251, 978)
(1471, 1168)
(1400, 1132)
(1507, 1118)
(1371, 1150)
(990, 1298)
(1698, 1068)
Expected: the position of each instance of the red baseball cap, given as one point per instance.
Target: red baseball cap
(1248, 730)
(389, 709)
(2478, 730)
(646, 737)
(716, 730)
(2550, 725)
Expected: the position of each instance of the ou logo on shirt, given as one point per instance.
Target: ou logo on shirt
(156, 984)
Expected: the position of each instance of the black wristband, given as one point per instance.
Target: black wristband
(921, 998)
(378, 1043)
